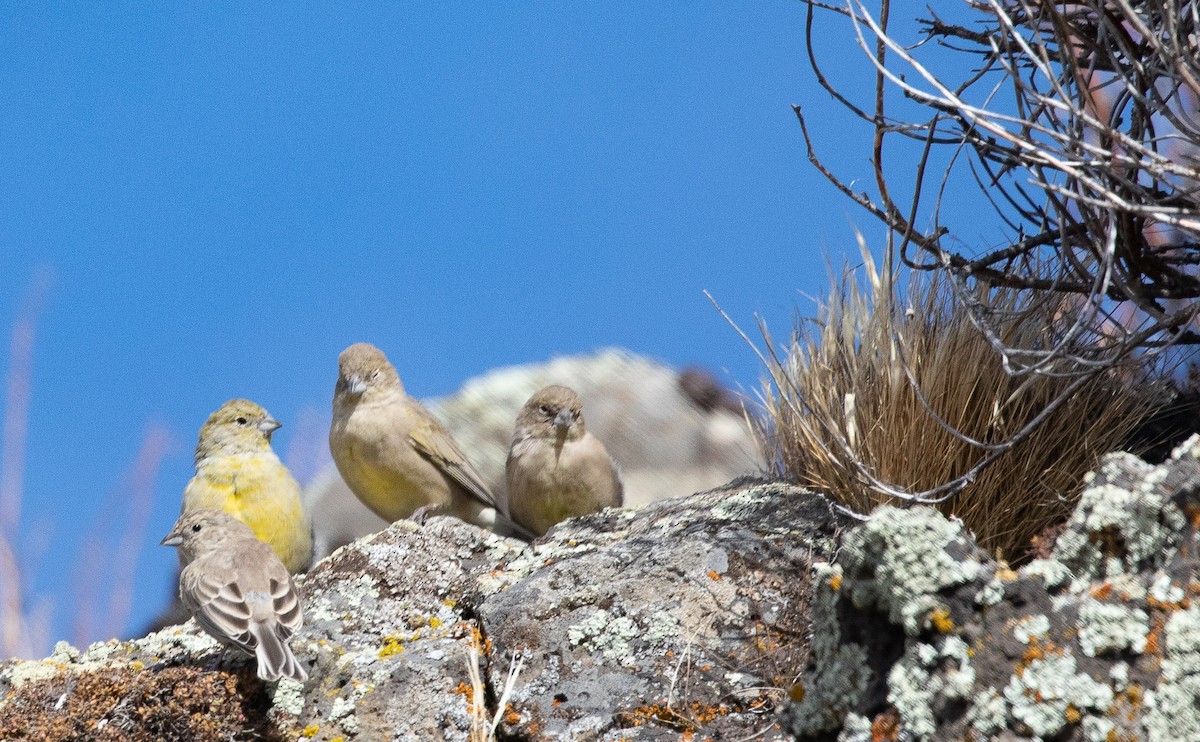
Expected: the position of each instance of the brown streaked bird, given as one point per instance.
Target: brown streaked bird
(238, 472)
(557, 469)
(238, 590)
(394, 455)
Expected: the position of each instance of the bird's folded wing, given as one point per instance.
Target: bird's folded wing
(286, 602)
(221, 609)
(433, 441)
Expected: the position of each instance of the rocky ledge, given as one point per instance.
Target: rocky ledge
(751, 610)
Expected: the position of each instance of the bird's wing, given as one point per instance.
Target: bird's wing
(285, 601)
(433, 441)
(214, 597)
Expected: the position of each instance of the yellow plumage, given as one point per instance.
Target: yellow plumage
(236, 471)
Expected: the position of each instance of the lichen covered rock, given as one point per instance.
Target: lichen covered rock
(689, 615)
(659, 619)
(919, 635)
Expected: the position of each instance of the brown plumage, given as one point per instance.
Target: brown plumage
(394, 455)
(238, 590)
(557, 469)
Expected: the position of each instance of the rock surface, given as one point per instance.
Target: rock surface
(687, 615)
(918, 635)
(698, 618)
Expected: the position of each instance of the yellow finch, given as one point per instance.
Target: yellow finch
(556, 469)
(395, 456)
(238, 590)
(236, 471)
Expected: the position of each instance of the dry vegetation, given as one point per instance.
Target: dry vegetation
(988, 381)
(881, 396)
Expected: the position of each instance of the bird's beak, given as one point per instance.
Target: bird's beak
(355, 384)
(563, 419)
(269, 425)
(172, 539)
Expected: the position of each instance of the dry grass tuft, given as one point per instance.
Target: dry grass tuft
(483, 727)
(842, 411)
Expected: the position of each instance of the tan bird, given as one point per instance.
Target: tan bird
(395, 456)
(238, 472)
(556, 469)
(238, 590)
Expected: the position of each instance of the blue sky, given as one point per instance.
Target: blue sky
(227, 194)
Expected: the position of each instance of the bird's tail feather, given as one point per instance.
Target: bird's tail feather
(275, 658)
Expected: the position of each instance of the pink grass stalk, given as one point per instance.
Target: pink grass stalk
(14, 430)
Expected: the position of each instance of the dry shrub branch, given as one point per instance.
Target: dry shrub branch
(1078, 124)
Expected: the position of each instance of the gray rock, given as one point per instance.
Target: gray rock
(684, 618)
(702, 614)
(689, 614)
(916, 631)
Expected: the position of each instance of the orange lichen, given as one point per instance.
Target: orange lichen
(1102, 592)
(886, 727)
(1153, 637)
(466, 691)
(1037, 650)
(684, 719)
(940, 619)
(1073, 715)
(835, 583)
(714, 576)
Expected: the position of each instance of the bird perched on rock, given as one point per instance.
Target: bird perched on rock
(394, 455)
(238, 590)
(556, 469)
(236, 471)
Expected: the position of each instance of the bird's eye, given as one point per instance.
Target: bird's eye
(242, 421)
(196, 528)
(543, 409)
(375, 374)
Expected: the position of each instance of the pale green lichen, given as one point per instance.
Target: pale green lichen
(63, 652)
(659, 627)
(1135, 515)
(1119, 676)
(605, 633)
(905, 552)
(840, 673)
(20, 673)
(1172, 712)
(922, 675)
(856, 729)
(1052, 572)
(1108, 627)
(1097, 729)
(1033, 627)
(1164, 590)
(988, 714)
(991, 593)
(288, 697)
(345, 602)
(1041, 695)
